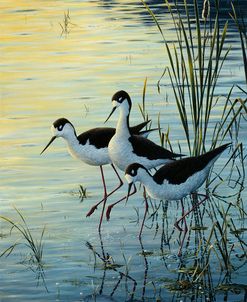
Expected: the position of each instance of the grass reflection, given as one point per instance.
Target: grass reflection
(216, 247)
(109, 264)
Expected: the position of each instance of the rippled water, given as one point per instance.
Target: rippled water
(47, 73)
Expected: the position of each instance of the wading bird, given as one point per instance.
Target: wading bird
(91, 147)
(174, 180)
(126, 148)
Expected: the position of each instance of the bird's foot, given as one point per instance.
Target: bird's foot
(108, 212)
(91, 211)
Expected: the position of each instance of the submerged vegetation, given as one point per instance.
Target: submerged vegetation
(66, 24)
(33, 260)
(195, 61)
(35, 246)
(189, 276)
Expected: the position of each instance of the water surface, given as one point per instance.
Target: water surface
(49, 71)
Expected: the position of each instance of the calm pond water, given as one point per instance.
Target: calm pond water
(49, 71)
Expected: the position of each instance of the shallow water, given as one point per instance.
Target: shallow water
(47, 73)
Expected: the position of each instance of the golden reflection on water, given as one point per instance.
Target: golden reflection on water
(41, 65)
(47, 73)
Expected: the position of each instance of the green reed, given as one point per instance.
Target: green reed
(240, 24)
(164, 137)
(220, 242)
(35, 246)
(142, 106)
(195, 60)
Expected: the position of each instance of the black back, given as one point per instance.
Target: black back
(177, 172)
(100, 137)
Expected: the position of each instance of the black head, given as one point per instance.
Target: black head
(120, 96)
(118, 99)
(132, 169)
(131, 175)
(59, 123)
(59, 130)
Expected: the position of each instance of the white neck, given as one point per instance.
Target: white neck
(73, 145)
(123, 121)
(147, 180)
(70, 137)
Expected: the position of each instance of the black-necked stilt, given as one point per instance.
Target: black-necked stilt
(91, 147)
(176, 179)
(126, 148)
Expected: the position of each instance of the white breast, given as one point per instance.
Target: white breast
(122, 155)
(89, 154)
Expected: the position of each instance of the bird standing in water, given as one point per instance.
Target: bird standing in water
(91, 147)
(175, 180)
(126, 148)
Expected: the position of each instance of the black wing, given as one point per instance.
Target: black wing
(178, 172)
(136, 129)
(99, 137)
(146, 148)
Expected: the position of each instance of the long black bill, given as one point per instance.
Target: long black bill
(113, 109)
(52, 139)
(129, 189)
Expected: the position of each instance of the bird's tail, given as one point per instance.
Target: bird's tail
(145, 133)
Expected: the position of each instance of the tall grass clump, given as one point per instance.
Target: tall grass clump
(242, 29)
(34, 245)
(196, 58)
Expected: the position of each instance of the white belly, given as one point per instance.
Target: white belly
(167, 191)
(89, 154)
(121, 154)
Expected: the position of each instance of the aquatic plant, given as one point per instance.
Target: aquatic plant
(196, 59)
(35, 245)
(109, 264)
(66, 24)
(82, 192)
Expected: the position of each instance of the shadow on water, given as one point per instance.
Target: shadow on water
(108, 264)
(212, 256)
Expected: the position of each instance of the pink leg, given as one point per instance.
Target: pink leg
(185, 229)
(192, 209)
(107, 195)
(145, 213)
(108, 212)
